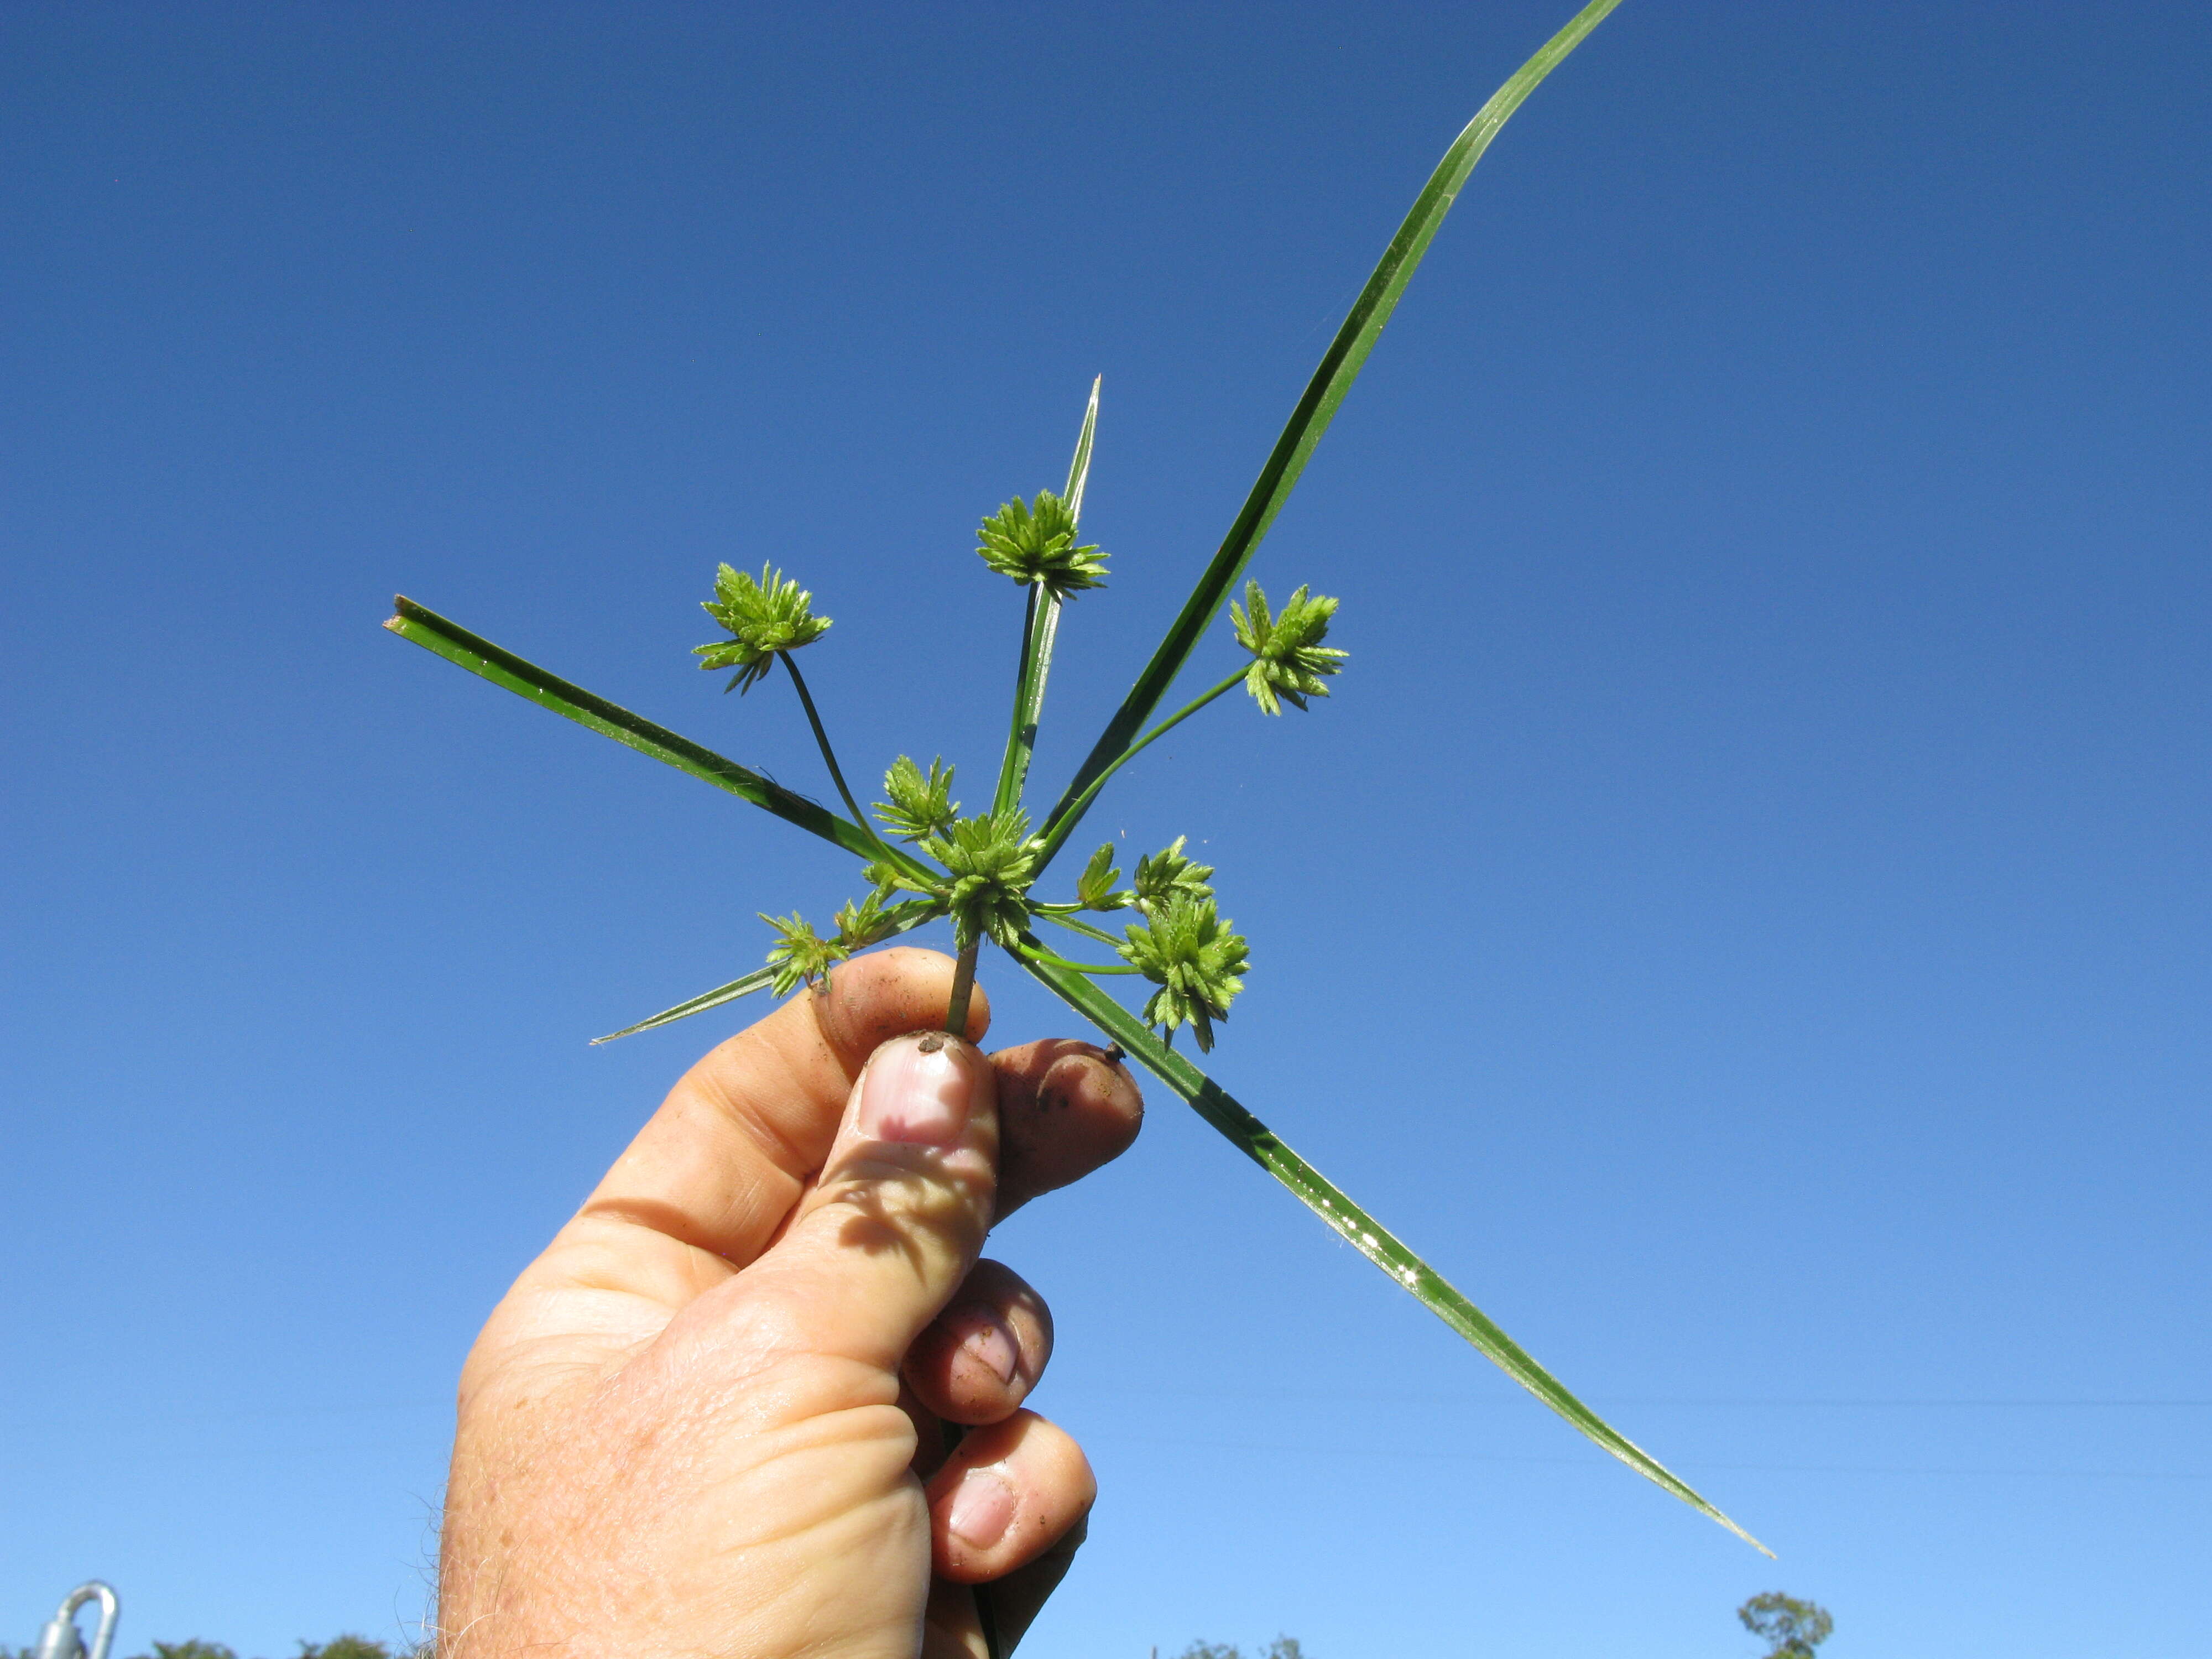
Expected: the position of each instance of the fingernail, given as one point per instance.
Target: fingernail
(982, 1509)
(915, 1091)
(989, 1342)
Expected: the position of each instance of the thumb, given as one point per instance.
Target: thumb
(899, 1213)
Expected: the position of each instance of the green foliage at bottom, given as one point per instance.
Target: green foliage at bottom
(338, 1647)
(1791, 1628)
(1283, 1647)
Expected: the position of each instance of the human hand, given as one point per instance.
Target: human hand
(708, 1420)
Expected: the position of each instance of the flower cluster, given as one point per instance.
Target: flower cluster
(799, 956)
(1161, 875)
(764, 616)
(992, 863)
(1289, 659)
(919, 805)
(1195, 958)
(988, 862)
(1094, 887)
(1037, 544)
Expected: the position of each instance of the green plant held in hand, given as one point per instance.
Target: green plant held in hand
(926, 859)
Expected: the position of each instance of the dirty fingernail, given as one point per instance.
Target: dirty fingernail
(982, 1509)
(990, 1341)
(916, 1090)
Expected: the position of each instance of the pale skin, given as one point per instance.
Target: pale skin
(709, 1422)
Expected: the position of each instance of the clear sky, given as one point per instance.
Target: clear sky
(1744, 915)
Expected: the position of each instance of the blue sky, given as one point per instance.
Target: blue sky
(1743, 917)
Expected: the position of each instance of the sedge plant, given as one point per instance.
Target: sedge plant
(981, 865)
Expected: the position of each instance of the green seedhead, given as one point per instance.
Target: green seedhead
(919, 806)
(989, 862)
(1163, 874)
(983, 872)
(1036, 547)
(797, 957)
(1196, 959)
(1095, 888)
(763, 617)
(1288, 658)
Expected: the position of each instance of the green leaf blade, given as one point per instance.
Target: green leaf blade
(1361, 1231)
(1339, 367)
(443, 637)
(1078, 467)
(758, 980)
(902, 919)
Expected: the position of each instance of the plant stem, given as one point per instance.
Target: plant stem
(1063, 821)
(1038, 953)
(1082, 928)
(963, 989)
(822, 742)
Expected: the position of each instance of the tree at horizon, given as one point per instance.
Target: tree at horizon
(1283, 1647)
(1791, 1628)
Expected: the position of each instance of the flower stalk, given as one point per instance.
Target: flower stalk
(822, 742)
(963, 988)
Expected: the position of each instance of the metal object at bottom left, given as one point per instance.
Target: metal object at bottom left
(60, 1640)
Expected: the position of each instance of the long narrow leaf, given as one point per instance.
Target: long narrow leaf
(903, 919)
(1039, 631)
(1359, 1229)
(759, 979)
(1078, 467)
(1339, 368)
(449, 639)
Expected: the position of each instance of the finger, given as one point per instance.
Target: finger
(1004, 1497)
(1064, 1110)
(976, 1361)
(722, 1162)
(932, 1438)
(950, 1627)
(1017, 1599)
(883, 1239)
